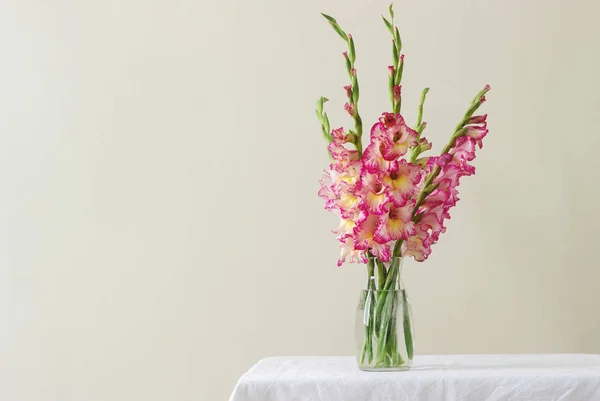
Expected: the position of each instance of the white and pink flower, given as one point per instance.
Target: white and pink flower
(383, 199)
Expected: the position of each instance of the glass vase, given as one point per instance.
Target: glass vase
(384, 329)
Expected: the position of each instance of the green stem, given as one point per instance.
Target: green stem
(368, 317)
(390, 282)
(350, 58)
(370, 272)
(381, 274)
(420, 110)
(408, 337)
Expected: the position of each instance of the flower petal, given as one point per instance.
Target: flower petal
(382, 251)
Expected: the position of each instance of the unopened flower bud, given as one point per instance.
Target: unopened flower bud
(350, 109)
(397, 92)
(348, 89)
(477, 119)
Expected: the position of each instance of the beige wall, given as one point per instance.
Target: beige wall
(160, 228)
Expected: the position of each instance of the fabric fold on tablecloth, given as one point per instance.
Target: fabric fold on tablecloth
(570, 377)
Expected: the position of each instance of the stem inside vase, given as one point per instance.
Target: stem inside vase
(386, 317)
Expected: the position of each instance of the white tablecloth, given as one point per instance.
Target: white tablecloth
(432, 378)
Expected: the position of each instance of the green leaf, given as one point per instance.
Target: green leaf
(391, 10)
(326, 135)
(352, 49)
(398, 40)
(395, 54)
(391, 87)
(355, 90)
(388, 24)
(348, 63)
(335, 26)
(329, 18)
(326, 122)
(320, 103)
(339, 31)
(420, 109)
(398, 77)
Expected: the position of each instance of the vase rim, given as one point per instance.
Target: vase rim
(391, 257)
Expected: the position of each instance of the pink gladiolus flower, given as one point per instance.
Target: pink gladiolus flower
(396, 141)
(464, 148)
(395, 224)
(400, 181)
(326, 192)
(382, 251)
(346, 227)
(341, 155)
(373, 159)
(391, 70)
(417, 246)
(373, 193)
(364, 239)
(349, 253)
(364, 232)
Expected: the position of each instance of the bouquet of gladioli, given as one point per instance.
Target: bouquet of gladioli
(391, 197)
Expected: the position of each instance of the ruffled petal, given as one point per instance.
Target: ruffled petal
(390, 119)
(417, 246)
(345, 228)
(348, 253)
(377, 202)
(477, 132)
(341, 156)
(348, 201)
(364, 232)
(382, 251)
(401, 181)
(373, 159)
(478, 119)
(373, 192)
(395, 224)
(393, 150)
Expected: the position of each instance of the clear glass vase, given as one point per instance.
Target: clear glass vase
(384, 329)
